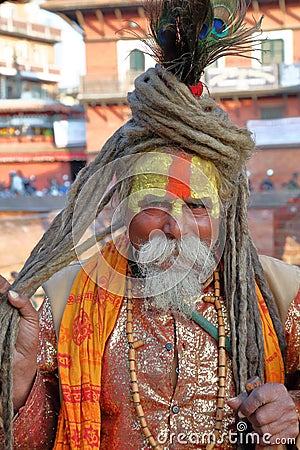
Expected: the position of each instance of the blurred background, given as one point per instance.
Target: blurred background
(66, 67)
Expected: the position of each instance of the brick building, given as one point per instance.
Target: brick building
(113, 60)
(41, 138)
(263, 96)
(38, 135)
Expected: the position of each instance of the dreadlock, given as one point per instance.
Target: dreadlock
(164, 114)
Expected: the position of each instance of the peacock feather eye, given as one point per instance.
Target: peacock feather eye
(191, 34)
(220, 28)
(204, 31)
(161, 36)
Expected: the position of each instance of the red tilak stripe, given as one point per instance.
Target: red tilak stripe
(180, 176)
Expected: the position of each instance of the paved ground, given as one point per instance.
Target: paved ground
(19, 233)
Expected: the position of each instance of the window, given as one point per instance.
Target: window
(39, 56)
(137, 61)
(132, 61)
(272, 51)
(275, 47)
(12, 87)
(272, 112)
(21, 51)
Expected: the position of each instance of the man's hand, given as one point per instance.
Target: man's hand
(271, 411)
(25, 355)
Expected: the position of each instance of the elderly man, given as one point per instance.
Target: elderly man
(138, 369)
(174, 334)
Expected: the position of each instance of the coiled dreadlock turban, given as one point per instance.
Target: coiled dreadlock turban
(165, 114)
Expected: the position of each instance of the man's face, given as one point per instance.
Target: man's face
(173, 220)
(175, 196)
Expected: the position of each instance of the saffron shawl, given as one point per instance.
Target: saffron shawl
(89, 318)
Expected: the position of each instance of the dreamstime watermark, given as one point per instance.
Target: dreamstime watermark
(234, 437)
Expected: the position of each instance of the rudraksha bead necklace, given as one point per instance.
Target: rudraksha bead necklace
(215, 299)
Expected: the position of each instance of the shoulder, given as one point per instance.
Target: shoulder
(57, 289)
(283, 280)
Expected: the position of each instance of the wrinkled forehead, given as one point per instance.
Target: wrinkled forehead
(182, 175)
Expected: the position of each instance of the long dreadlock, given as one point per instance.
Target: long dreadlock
(164, 114)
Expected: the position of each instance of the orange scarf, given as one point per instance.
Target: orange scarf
(89, 318)
(274, 367)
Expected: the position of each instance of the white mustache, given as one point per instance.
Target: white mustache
(174, 271)
(189, 252)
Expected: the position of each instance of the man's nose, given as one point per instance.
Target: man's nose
(179, 221)
(173, 227)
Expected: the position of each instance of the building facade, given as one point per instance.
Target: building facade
(41, 139)
(114, 57)
(39, 136)
(261, 93)
(27, 60)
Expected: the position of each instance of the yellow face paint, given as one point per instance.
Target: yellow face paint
(159, 174)
(204, 183)
(177, 209)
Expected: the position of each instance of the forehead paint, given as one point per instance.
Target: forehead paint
(151, 172)
(179, 177)
(204, 180)
(157, 174)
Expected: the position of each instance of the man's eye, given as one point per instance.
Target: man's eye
(196, 205)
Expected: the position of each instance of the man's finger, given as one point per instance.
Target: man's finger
(236, 402)
(23, 304)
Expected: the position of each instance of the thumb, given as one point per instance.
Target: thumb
(236, 402)
(23, 304)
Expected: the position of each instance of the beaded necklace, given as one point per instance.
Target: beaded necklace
(215, 299)
(211, 297)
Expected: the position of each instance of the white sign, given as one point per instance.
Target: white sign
(69, 133)
(241, 78)
(275, 132)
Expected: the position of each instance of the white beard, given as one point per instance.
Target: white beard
(174, 272)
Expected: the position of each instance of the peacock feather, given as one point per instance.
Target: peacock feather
(191, 34)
